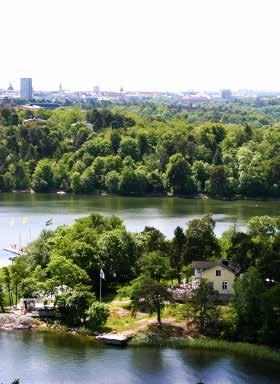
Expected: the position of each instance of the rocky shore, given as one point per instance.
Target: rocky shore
(11, 321)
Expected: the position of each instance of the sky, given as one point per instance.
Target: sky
(157, 45)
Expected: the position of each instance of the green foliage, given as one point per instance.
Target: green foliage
(223, 149)
(155, 264)
(178, 175)
(201, 242)
(177, 252)
(205, 311)
(43, 177)
(97, 315)
(65, 272)
(249, 288)
(149, 294)
(269, 332)
(66, 263)
(72, 306)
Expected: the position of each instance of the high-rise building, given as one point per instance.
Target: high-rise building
(226, 94)
(96, 90)
(26, 88)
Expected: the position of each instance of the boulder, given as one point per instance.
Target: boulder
(11, 321)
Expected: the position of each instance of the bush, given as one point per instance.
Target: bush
(97, 316)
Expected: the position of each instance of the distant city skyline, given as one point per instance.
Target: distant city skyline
(92, 88)
(158, 45)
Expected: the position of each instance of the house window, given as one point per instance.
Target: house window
(224, 285)
(218, 272)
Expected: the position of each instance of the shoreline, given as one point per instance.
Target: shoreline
(198, 196)
(245, 349)
(260, 352)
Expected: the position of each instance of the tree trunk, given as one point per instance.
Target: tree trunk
(16, 294)
(158, 312)
(178, 276)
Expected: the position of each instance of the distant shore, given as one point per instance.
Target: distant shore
(198, 196)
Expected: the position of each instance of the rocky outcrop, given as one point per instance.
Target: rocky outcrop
(10, 321)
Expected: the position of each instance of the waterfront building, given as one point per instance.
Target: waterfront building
(220, 274)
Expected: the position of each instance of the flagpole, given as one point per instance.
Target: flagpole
(100, 288)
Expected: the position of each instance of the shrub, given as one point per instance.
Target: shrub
(97, 315)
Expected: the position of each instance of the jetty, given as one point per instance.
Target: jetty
(118, 339)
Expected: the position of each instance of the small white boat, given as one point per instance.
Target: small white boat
(61, 193)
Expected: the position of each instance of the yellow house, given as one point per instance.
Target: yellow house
(220, 274)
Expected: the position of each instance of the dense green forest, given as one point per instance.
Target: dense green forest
(221, 149)
(142, 265)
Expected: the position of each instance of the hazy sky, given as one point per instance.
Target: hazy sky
(141, 44)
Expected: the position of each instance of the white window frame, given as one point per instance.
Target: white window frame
(224, 285)
(218, 274)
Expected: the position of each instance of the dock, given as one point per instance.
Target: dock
(118, 339)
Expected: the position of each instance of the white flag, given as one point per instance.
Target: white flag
(24, 220)
(102, 274)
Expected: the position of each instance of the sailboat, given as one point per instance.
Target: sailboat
(16, 249)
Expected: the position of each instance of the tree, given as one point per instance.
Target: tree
(112, 181)
(73, 306)
(30, 287)
(178, 175)
(147, 290)
(149, 294)
(117, 252)
(155, 264)
(269, 332)
(43, 177)
(155, 240)
(247, 302)
(217, 159)
(2, 297)
(132, 182)
(66, 272)
(129, 147)
(200, 171)
(201, 242)
(8, 284)
(177, 252)
(97, 315)
(262, 225)
(241, 250)
(39, 251)
(19, 271)
(115, 141)
(218, 181)
(76, 183)
(205, 311)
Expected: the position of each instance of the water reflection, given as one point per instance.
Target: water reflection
(52, 358)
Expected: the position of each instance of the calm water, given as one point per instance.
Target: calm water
(23, 216)
(42, 358)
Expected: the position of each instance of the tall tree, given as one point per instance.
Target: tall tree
(205, 307)
(201, 242)
(177, 252)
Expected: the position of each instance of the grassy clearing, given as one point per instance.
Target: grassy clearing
(121, 319)
(246, 349)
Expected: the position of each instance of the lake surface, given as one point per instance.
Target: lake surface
(24, 215)
(45, 358)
